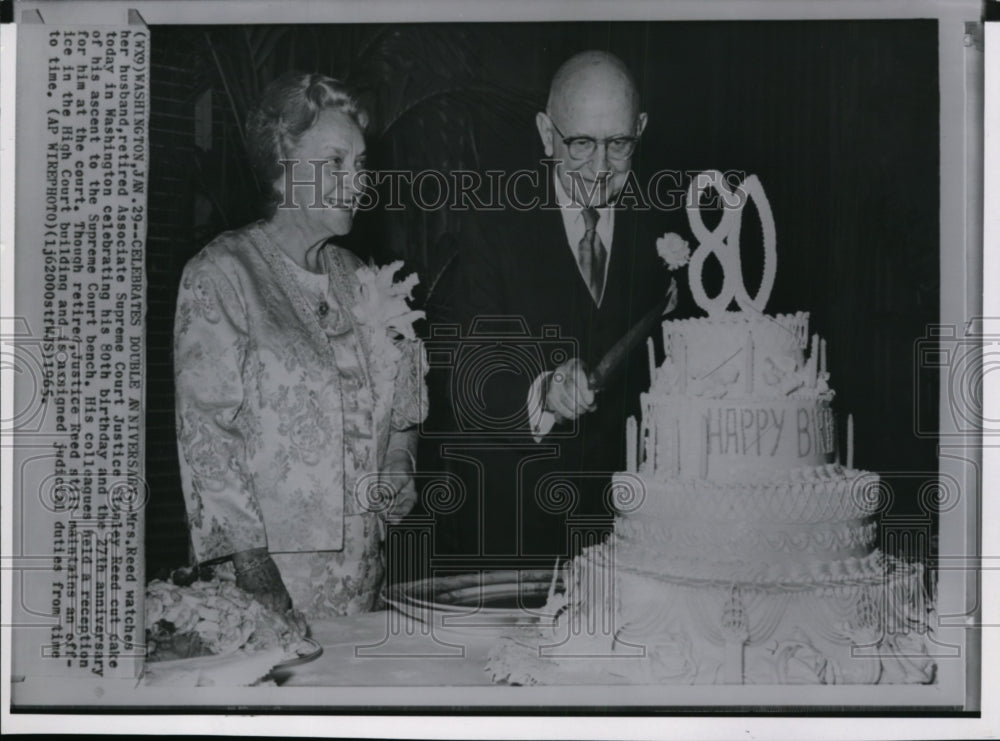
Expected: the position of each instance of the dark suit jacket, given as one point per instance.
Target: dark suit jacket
(518, 274)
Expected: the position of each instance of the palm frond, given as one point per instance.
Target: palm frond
(231, 90)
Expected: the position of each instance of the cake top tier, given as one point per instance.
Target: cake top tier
(723, 243)
(741, 355)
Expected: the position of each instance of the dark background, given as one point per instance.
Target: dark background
(839, 120)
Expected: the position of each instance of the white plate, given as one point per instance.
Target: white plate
(477, 602)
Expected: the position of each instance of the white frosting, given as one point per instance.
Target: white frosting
(757, 544)
(726, 438)
(735, 394)
(714, 350)
(684, 632)
(693, 526)
(828, 493)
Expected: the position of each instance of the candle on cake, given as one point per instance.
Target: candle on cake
(631, 445)
(811, 363)
(651, 353)
(850, 441)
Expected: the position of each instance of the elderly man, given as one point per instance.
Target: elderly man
(575, 271)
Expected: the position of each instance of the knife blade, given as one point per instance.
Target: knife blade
(613, 358)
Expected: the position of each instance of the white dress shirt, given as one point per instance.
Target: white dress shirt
(540, 420)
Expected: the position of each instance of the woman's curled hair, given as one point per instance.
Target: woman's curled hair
(289, 107)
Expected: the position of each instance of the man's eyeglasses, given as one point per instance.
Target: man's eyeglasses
(581, 147)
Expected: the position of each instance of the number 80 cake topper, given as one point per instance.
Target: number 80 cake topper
(724, 243)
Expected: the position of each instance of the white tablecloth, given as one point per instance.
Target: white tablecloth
(387, 648)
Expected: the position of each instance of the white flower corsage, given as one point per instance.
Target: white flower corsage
(383, 310)
(673, 249)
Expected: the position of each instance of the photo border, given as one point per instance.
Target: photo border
(960, 178)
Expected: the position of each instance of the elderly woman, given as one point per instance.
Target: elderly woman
(299, 379)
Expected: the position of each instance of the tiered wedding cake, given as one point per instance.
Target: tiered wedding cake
(742, 553)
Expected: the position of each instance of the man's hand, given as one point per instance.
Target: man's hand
(568, 394)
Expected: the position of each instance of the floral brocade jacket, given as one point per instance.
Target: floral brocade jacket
(277, 438)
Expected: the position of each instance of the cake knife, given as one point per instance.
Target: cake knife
(613, 358)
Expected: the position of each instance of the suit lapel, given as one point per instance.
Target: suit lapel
(555, 259)
(620, 275)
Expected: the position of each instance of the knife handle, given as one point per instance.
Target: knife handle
(594, 380)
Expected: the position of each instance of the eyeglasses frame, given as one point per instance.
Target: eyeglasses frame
(568, 140)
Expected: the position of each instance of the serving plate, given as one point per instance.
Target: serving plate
(308, 650)
(476, 602)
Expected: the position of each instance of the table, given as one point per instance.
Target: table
(385, 659)
(388, 648)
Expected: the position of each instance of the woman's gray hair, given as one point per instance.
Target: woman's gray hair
(289, 107)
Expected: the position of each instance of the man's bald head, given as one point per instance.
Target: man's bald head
(593, 98)
(592, 74)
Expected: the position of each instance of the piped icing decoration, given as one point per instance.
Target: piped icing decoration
(736, 632)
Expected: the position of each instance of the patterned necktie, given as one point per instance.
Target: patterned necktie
(592, 254)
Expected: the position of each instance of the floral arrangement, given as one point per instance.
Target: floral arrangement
(211, 617)
(674, 250)
(382, 308)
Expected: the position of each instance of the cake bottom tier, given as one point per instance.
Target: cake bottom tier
(621, 626)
